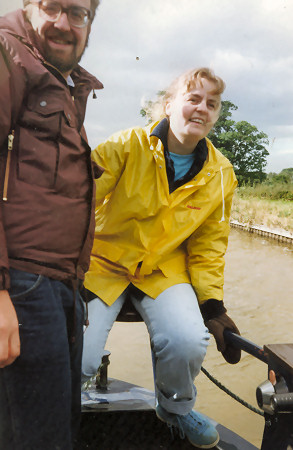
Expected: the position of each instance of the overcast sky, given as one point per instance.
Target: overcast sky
(138, 47)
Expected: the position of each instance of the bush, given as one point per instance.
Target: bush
(275, 187)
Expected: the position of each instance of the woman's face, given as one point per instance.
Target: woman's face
(192, 114)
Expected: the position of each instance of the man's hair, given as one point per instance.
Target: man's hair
(94, 6)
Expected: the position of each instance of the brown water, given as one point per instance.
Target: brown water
(258, 295)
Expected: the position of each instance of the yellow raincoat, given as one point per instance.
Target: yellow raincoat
(149, 237)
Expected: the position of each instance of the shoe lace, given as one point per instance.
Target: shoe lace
(188, 422)
(179, 424)
(176, 429)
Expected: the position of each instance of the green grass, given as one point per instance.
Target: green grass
(252, 208)
(267, 190)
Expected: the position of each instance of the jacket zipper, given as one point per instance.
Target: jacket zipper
(7, 168)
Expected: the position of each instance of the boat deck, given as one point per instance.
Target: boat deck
(123, 418)
(141, 430)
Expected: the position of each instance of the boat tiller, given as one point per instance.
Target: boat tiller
(275, 395)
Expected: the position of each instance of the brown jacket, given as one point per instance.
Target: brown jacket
(47, 210)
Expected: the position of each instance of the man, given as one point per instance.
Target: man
(46, 219)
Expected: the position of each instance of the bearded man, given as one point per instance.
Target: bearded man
(46, 220)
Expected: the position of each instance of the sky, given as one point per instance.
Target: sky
(137, 48)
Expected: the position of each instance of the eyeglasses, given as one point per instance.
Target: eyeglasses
(77, 16)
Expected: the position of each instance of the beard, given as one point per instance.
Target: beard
(63, 64)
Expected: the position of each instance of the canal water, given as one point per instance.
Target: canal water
(258, 296)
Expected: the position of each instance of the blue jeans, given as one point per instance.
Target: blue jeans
(40, 391)
(179, 340)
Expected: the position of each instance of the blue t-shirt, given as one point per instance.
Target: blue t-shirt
(182, 163)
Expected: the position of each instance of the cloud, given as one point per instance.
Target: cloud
(247, 42)
(9, 5)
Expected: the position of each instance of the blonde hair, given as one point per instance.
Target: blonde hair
(187, 81)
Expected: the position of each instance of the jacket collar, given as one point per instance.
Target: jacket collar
(161, 132)
(200, 151)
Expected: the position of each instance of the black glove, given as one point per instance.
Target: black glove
(216, 326)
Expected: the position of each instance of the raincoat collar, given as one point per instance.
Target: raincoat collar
(201, 153)
(161, 132)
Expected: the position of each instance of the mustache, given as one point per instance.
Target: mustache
(64, 36)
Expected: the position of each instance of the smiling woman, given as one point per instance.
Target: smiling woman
(163, 250)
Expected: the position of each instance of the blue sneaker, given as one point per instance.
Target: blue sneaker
(198, 430)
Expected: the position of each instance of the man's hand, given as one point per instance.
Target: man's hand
(9, 331)
(216, 327)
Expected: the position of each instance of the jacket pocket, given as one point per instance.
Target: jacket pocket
(38, 140)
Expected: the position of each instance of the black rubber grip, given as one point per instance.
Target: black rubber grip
(282, 402)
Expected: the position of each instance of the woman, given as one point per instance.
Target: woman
(162, 225)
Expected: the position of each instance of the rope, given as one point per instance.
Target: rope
(227, 391)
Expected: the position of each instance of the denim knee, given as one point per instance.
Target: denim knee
(185, 346)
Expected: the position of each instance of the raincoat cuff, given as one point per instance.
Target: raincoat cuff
(212, 308)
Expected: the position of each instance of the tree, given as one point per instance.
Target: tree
(287, 174)
(242, 143)
(153, 110)
(284, 177)
(224, 122)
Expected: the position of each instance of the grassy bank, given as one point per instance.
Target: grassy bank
(252, 208)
